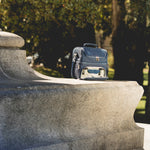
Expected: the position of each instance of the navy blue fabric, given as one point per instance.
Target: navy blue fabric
(83, 57)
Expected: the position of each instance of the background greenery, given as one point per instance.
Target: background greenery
(54, 27)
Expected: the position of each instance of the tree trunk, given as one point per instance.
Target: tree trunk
(128, 40)
(139, 38)
(118, 38)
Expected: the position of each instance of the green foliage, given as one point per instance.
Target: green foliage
(25, 15)
(136, 13)
(53, 27)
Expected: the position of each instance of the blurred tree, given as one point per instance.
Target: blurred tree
(129, 39)
(147, 106)
(119, 38)
(52, 28)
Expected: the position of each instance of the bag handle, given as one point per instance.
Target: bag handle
(90, 45)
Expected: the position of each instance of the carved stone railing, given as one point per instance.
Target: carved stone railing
(44, 113)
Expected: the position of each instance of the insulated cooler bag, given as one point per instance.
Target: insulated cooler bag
(89, 62)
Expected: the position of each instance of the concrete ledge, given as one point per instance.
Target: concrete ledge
(99, 142)
(96, 115)
(8, 39)
(146, 128)
(13, 65)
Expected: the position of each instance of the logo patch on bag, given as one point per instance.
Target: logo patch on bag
(97, 58)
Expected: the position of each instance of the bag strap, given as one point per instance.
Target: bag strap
(90, 45)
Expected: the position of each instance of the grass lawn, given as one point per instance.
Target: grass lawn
(48, 71)
(139, 115)
(141, 106)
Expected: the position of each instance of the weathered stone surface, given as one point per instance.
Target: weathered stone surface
(94, 116)
(10, 40)
(13, 65)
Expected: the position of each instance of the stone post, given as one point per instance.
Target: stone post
(45, 113)
(13, 64)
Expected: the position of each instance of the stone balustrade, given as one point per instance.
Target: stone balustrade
(45, 113)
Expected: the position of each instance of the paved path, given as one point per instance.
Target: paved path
(146, 135)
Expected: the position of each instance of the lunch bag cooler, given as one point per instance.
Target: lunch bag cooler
(89, 62)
